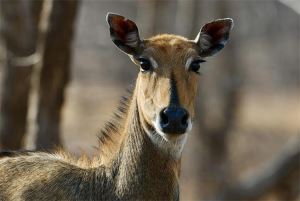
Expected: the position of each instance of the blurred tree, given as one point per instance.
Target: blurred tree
(186, 17)
(19, 28)
(278, 178)
(214, 127)
(146, 16)
(22, 38)
(55, 72)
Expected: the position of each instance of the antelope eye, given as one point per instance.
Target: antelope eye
(195, 65)
(145, 64)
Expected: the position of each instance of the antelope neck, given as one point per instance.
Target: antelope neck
(141, 166)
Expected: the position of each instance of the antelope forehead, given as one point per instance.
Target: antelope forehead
(172, 58)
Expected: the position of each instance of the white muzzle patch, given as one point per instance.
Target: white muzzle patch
(168, 143)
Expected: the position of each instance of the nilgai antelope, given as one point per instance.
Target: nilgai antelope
(140, 150)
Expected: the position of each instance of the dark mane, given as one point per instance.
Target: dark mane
(110, 135)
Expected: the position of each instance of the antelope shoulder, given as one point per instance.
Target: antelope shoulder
(43, 176)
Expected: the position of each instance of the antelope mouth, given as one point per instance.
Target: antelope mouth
(171, 142)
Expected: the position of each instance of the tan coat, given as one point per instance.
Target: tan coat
(137, 160)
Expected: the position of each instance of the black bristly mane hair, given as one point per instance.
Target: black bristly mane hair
(109, 136)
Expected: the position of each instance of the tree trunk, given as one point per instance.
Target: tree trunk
(19, 28)
(55, 73)
(214, 129)
(186, 17)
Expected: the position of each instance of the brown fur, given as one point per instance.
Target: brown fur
(138, 172)
(136, 163)
(160, 47)
(164, 50)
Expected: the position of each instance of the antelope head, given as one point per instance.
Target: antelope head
(166, 86)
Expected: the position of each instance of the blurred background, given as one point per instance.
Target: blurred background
(61, 78)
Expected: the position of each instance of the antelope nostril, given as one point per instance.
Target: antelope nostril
(163, 118)
(184, 120)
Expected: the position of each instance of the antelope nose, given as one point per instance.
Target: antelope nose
(173, 120)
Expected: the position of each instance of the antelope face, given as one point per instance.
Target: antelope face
(167, 84)
(169, 71)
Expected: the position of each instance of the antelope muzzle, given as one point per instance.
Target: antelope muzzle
(173, 120)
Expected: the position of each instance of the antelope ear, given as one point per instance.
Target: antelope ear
(213, 36)
(124, 33)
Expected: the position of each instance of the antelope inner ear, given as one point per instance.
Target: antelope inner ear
(124, 33)
(213, 36)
